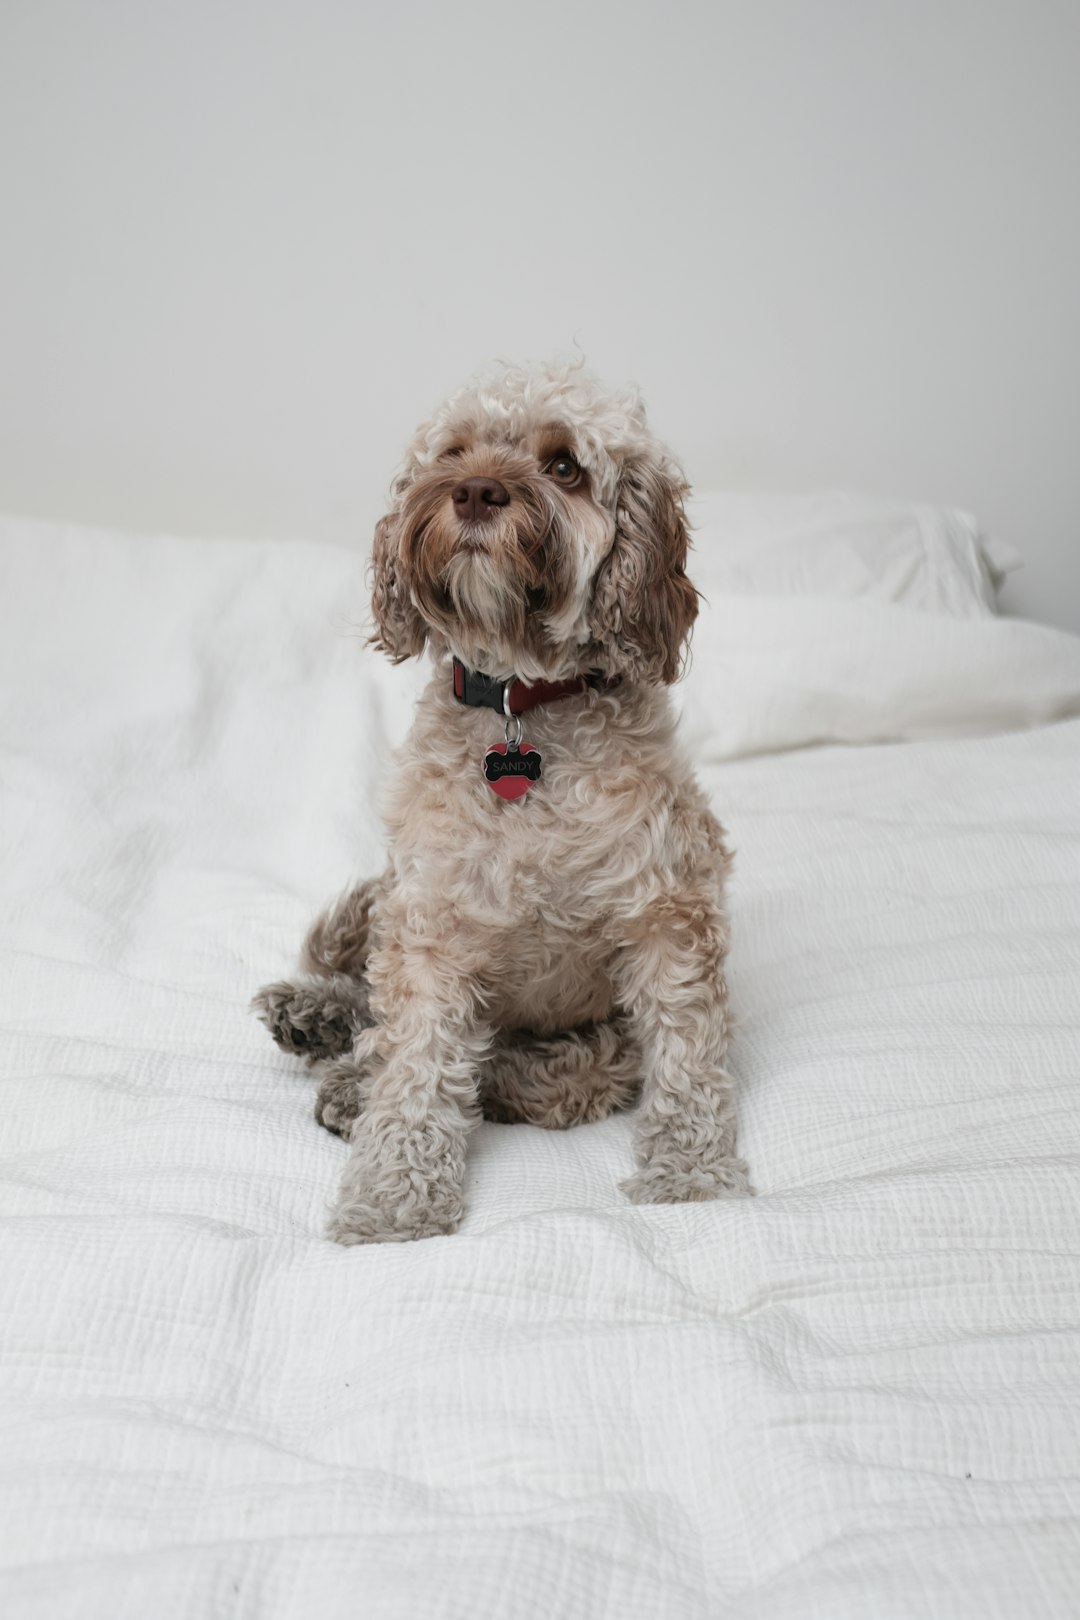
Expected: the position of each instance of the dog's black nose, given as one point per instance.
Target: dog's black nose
(477, 499)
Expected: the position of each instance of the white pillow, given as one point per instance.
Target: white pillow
(842, 546)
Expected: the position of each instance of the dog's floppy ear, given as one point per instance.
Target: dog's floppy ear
(400, 632)
(643, 604)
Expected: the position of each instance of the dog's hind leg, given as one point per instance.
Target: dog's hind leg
(556, 1081)
(319, 1014)
(344, 1086)
(339, 940)
(314, 1018)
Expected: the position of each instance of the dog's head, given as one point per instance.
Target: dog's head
(537, 529)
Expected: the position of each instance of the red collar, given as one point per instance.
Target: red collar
(515, 697)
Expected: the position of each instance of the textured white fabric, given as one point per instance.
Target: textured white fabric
(856, 1395)
(783, 672)
(847, 545)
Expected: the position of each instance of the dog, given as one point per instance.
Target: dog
(547, 943)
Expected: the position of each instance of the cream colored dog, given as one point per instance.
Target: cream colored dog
(548, 939)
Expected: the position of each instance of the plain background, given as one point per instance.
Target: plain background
(247, 245)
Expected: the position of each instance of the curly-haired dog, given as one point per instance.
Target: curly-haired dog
(548, 939)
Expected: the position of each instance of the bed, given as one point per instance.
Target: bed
(857, 1394)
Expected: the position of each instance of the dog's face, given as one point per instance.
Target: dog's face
(537, 530)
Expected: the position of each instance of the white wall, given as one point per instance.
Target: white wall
(246, 246)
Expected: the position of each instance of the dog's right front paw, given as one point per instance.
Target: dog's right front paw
(307, 1023)
(399, 1185)
(377, 1216)
(677, 1180)
(368, 1223)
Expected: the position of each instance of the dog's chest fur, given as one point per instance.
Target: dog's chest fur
(546, 887)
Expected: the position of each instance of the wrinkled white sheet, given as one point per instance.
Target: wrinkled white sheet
(857, 1395)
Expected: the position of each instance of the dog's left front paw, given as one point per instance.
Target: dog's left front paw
(664, 1183)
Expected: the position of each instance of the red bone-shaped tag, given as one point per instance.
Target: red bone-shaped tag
(511, 772)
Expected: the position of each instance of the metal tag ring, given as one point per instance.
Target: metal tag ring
(513, 721)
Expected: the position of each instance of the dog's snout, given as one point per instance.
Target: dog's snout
(477, 499)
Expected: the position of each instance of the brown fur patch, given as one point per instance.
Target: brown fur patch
(643, 604)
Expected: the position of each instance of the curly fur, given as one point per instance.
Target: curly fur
(551, 959)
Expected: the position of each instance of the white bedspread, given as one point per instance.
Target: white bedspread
(857, 1395)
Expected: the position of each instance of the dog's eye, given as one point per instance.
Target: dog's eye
(454, 450)
(564, 469)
